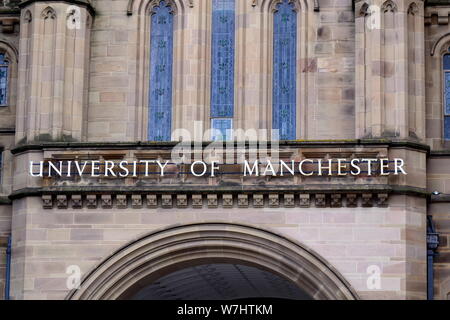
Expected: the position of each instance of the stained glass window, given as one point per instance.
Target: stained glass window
(161, 56)
(284, 70)
(446, 65)
(3, 80)
(222, 67)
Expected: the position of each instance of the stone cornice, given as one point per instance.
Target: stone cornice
(437, 15)
(431, 3)
(236, 189)
(439, 153)
(435, 198)
(7, 131)
(198, 200)
(225, 200)
(168, 145)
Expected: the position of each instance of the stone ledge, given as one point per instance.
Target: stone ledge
(435, 198)
(198, 201)
(11, 131)
(168, 145)
(207, 189)
(437, 2)
(439, 153)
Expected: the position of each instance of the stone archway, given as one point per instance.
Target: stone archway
(151, 257)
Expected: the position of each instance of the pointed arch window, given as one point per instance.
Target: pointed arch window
(222, 68)
(4, 71)
(446, 71)
(161, 59)
(284, 69)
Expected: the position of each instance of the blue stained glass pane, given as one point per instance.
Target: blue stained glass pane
(284, 70)
(447, 62)
(222, 59)
(3, 80)
(447, 128)
(447, 93)
(161, 56)
(222, 129)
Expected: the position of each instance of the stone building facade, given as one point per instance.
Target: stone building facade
(364, 79)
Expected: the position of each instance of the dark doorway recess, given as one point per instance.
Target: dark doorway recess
(221, 281)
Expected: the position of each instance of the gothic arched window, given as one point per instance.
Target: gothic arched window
(446, 69)
(284, 70)
(161, 56)
(222, 68)
(4, 67)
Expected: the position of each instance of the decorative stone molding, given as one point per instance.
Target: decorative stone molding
(227, 200)
(77, 201)
(91, 201)
(182, 201)
(382, 200)
(437, 16)
(321, 200)
(258, 200)
(166, 201)
(274, 200)
(106, 201)
(367, 200)
(152, 201)
(304, 200)
(212, 201)
(83, 3)
(352, 200)
(136, 201)
(27, 16)
(389, 6)
(48, 13)
(336, 200)
(47, 202)
(61, 201)
(197, 201)
(243, 200)
(413, 9)
(289, 200)
(121, 200)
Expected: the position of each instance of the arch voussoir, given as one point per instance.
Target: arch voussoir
(147, 259)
